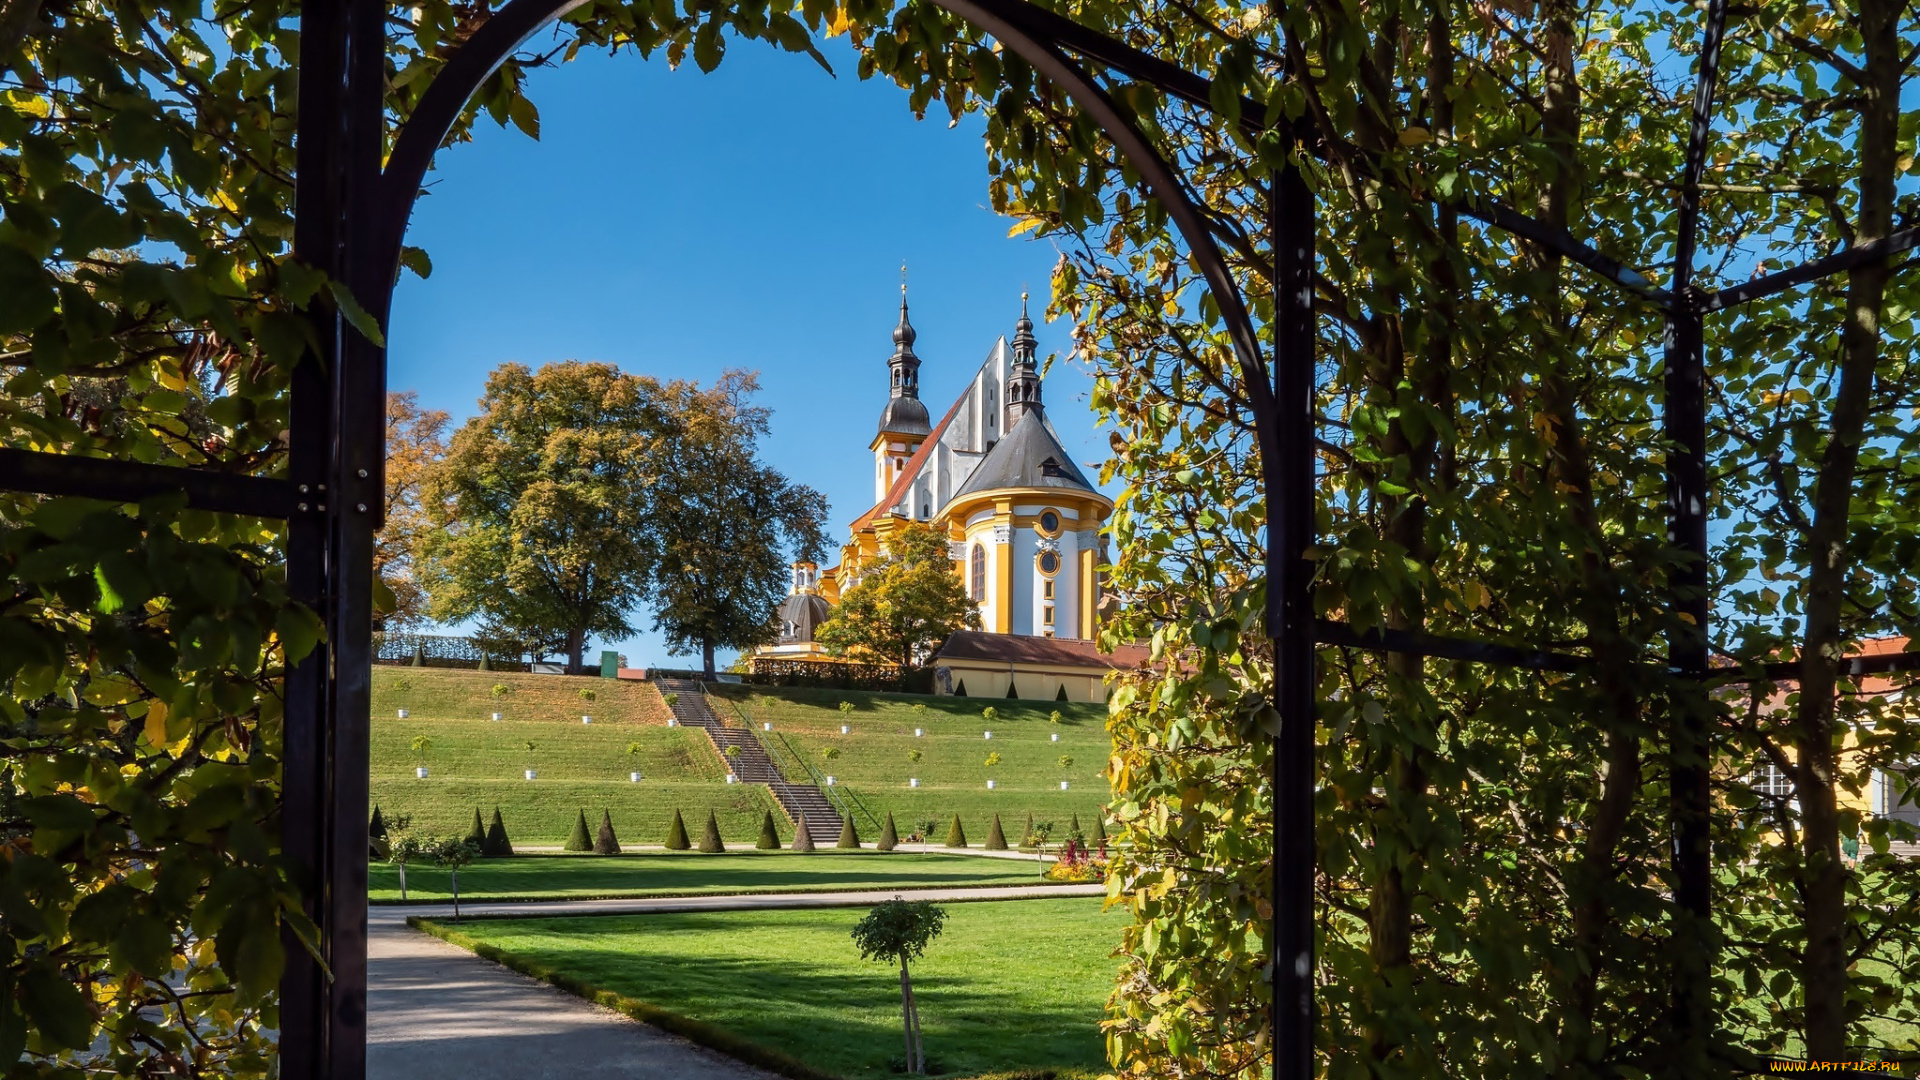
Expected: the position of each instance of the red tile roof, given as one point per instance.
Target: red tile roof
(1022, 649)
(912, 469)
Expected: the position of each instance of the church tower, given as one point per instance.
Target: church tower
(903, 423)
(1023, 383)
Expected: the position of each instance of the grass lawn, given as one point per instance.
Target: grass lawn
(477, 763)
(873, 759)
(558, 877)
(1013, 984)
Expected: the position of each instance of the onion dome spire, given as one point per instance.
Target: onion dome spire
(904, 414)
(1023, 382)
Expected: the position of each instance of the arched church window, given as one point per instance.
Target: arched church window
(979, 573)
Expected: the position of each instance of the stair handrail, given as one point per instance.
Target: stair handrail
(843, 799)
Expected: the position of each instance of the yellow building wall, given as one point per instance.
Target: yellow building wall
(988, 679)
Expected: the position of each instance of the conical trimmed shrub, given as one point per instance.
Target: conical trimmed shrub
(477, 835)
(996, 839)
(377, 828)
(956, 836)
(581, 840)
(1062, 695)
(710, 839)
(1011, 692)
(1073, 828)
(802, 836)
(889, 837)
(1099, 828)
(849, 836)
(1026, 838)
(605, 843)
(769, 836)
(960, 688)
(497, 845)
(677, 834)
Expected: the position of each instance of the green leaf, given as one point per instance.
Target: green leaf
(708, 47)
(56, 1008)
(355, 314)
(525, 117)
(26, 292)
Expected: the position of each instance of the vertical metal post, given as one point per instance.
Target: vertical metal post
(1690, 741)
(305, 993)
(1290, 512)
(356, 503)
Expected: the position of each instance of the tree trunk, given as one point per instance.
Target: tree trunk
(906, 1013)
(706, 657)
(456, 894)
(1817, 774)
(403, 880)
(576, 651)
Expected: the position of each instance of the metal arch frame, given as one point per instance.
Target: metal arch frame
(351, 216)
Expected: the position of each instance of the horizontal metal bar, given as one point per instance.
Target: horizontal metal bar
(1328, 632)
(1904, 240)
(1564, 243)
(1789, 670)
(114, 480)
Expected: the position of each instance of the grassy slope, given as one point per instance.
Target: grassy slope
(873, 760)
(476, 762)
(676, 873)
(1008, 985)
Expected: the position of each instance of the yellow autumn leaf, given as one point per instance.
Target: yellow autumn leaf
(168, 377)
(1415, 136)
(1254, 17)
(839, 24)
(156, 728)
(1026, 225)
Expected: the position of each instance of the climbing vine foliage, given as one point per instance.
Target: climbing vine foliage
(1493, 885)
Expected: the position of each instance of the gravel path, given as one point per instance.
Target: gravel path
(436, 1010)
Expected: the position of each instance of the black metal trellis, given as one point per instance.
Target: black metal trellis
(352, 214)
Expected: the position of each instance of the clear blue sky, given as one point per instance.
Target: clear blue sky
(677, 223)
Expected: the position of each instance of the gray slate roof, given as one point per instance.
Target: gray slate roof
(1030, 456)
(806, 612)
(904, 416)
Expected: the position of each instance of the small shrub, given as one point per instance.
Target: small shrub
(1066, 762)
(925, 829)
(849, 836)
(421, 744)
(401, 686)
(710, 838)
(996, 837)
(989, 714)
(769, 835)
(677, 834)
(581, 840)
(605, 843)
(828, 753)
(500, 690)
(670, 699)
(956, 836)
(919, 708)
(587, 694)
(802, 836)
(889, 838)
(497, 846)
(915, 756)
(1055, 717)
(846, 707)
(993, 759)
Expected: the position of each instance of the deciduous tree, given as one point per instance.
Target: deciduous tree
(416, 441)
(904, 603)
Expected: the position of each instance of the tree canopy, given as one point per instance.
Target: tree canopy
(543, 502)
(903, 604)
(723, 523)
(416, 441)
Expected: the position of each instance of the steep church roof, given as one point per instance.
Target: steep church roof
(1030, 456)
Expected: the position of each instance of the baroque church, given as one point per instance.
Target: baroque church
(1022, 525)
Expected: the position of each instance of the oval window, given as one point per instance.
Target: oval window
(1049, 522)
(1049, 562)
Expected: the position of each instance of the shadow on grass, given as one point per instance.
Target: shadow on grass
(838, 1018)
(639, 874)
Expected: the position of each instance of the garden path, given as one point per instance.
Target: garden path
(437, 1010)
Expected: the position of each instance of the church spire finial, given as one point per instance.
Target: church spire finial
(1023, 382)
(904, 413)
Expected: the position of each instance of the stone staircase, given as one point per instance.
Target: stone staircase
(752, 765)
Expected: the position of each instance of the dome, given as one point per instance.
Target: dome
(905, 416)
(800, 615)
